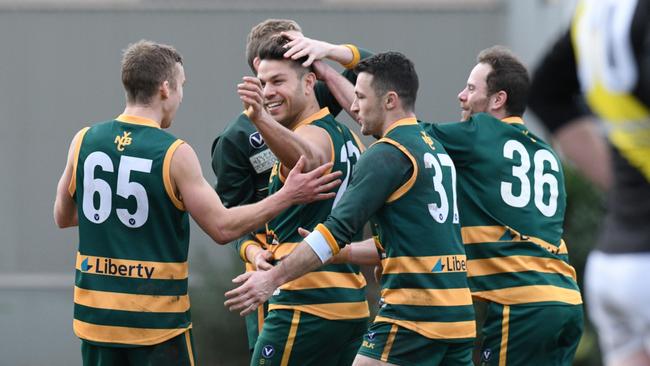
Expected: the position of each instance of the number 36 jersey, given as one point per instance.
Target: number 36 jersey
(131, 267)
(511, 200)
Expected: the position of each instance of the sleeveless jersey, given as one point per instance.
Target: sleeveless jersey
(512, 200)
(424, 280)
(131, 270)
(334, 291)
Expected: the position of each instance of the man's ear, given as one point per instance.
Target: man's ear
(391, 100)
(164, 90)
(309, 81)
(498, 100)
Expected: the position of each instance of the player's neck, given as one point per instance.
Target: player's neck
(310, 109)
(394, 116)
(144, 111)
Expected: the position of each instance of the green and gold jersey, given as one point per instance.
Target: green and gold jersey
(512, 200)
(131, 268)
(335, 291)
(406, 182)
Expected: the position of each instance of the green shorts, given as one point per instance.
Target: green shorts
(254, 322)
(531, 335)
(391, 343)
(176, 351)
(292, 337)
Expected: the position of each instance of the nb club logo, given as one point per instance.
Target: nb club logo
(256, 140)
(268, 351)
(85, 266)
(121, 141)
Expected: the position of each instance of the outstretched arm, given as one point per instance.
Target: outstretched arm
(224, 225)
(340, 87)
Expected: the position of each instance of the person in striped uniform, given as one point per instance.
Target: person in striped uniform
(405, 184)
(241, 160)
(329, 302)
(128, 185)
(512, 200)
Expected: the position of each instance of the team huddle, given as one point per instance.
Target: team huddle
(461, 213)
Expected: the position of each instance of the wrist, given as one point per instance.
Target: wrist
(251, 250)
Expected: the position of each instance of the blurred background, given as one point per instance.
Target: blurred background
(60, 71)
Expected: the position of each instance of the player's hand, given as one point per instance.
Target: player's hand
(262, 260)
(301, 46)
(251, 94)
(312, 186)
(303, 232)
(256, 288)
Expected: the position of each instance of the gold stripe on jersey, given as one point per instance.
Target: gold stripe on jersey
(188, 343)
(527, 294)
(435, 330)
(360, 144)
(326, 279)
(330, 311)
(137, 120)
(167, 180)
(395, 265)
(492, 234)
(427, 297)
(72, 187)
(519, 263)
(505, 330)
(389, 343)
(124, 335)
(295, 320)
(160, 270)
(513, 120)
(131, 302)
(409, 183)
(356, 56)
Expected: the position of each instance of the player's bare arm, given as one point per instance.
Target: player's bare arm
(340, 87)
(65, 208)
(224, 225)
(258, 286)
(301, 46)
(309, 141)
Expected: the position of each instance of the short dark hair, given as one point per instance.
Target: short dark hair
(508, 74)
(273, 49)
(146, 65)
(392, 71)
(262, 31)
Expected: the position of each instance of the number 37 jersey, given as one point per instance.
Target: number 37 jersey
(512, 200)
(131, 268)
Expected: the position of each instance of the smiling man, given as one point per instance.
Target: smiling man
(329, 303)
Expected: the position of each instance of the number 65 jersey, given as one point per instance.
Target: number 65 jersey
(131, 268)
(511, 200)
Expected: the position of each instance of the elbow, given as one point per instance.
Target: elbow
(223, 236)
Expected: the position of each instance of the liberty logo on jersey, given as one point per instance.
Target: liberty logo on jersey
(107, 266)
(122, 141)
(452, 263)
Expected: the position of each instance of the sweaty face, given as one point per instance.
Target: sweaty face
(367, 106)
(175, 97)
(284, 97)
(474, 98)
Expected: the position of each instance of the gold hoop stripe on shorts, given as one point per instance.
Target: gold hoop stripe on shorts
(505, 328)
(291, 338)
